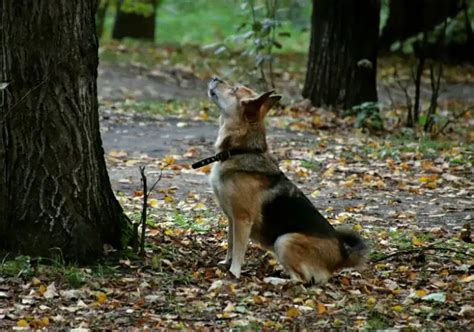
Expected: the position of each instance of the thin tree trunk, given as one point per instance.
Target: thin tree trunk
(343, 53)
(55, 194)
(100, 16)
(134, 25)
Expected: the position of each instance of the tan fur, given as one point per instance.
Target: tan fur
(308, 258)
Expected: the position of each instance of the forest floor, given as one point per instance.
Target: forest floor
(411, 198)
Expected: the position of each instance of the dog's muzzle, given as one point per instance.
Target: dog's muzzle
(212, 86)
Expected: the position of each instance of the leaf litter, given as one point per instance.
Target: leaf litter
(411, 199)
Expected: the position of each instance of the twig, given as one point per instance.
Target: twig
(409, 105)
(435, 85)
(146, 194)
(449, 121)
(418, 250)
(417, 79)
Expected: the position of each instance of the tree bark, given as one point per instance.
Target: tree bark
(55, 193)
(342, 58)
(134, 25)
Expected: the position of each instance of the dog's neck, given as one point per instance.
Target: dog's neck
(252, 139)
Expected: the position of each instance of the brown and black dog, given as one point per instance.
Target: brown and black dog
(262, 204)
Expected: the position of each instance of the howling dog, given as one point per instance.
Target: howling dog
(261, 203)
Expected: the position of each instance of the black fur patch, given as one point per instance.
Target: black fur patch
(292, 212)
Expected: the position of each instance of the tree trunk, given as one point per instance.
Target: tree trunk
(342, 59)
(55, 193)
(134, 25)
(411, 17)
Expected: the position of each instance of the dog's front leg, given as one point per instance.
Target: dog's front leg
(230, 241)
(241, 235)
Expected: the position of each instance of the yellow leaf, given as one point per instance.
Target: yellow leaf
(293, 312)
(272, 262)
(427, 178)
(22, 323)
(380, 184)
(42, 289)
(405, 166)
(321, 309)
(315, 193)
(153, 202)
(403, 268)
(199, 206)
(420, 293)
(203, 115)
(169, 160)
(467, 278)
(258, 299)
(390, 163)
(168, 199)
(35, 281)
(367, 178)
(329, 173)
(206, 169)
(357, 227)
(397, 308)
(416, 242)
(45, 321)
(371, 300)
(431, 185)
(101, 297)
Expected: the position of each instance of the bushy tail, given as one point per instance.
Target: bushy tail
(354, 249)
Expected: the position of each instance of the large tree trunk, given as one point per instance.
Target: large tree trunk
(343, 53)
(55, 194)
(135, 25)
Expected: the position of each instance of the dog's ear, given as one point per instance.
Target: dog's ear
(256, 108)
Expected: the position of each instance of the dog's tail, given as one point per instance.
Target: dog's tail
(354, 250)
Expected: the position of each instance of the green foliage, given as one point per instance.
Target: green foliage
(19, 267)
(140, 7)
(74, 277)
(182, 221)
(376, 320)
(368, 115)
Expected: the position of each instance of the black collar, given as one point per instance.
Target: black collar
(222, 156)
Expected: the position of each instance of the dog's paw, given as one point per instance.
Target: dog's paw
(224, 262)
(235, 270)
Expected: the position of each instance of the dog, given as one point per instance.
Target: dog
(261, 203)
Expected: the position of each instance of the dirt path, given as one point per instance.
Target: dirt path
(157, 137)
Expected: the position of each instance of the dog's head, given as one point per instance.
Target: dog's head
(239, 105)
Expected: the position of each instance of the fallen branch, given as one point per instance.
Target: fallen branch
(146, 194)
(433, 246)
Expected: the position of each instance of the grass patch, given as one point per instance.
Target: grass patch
(375, 321)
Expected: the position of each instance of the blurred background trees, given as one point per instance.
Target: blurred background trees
(337, 40)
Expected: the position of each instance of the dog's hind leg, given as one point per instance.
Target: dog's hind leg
(230, 241)
(301, 256)
(241, 236)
